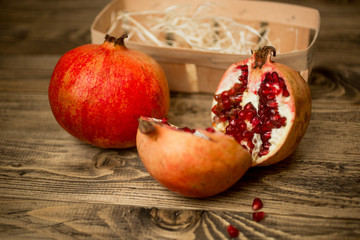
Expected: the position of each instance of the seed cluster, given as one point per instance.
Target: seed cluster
(244, 122)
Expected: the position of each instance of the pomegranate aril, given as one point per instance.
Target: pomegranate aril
(275, 117)
(275, 77)
(256, 129)
(232, 231)
(232, 122)
(270, 97)
(266, 145)
(271, 104)
(223, 118)
(232, 100)
(164, 121)
(215, 109)
(258, 216)
(263, 152)
(250, 115)
(226, 103)
(257, 204)
(285, 92)
(266, 91)
(249, 106)
(281, 83)
(238, 99)
(269, 86)
(210, 129)
(247, 134)
(237, 87)
(225, 94)
(250, 145)
(241, 114)
(242, 126)
(266, 136)
(282, 121)
(255, 121)
(186, 129)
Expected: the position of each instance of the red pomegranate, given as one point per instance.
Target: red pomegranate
(194, 163)
(264, 105)
(97, 92)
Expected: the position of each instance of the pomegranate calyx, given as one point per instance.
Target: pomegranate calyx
(117, 41)
(263, 55)
(146, 127)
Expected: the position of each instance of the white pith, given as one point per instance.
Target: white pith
(285, 109)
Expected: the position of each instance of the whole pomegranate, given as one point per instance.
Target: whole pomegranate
(194, 163)
(97, 92)
(264, 105)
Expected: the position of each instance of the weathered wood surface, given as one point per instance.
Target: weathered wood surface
(54, 187)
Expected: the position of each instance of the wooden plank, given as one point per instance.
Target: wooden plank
(61, 220)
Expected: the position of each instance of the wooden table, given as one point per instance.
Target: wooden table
(54, 187)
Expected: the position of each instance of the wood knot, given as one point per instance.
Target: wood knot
(175, 220)
(105, 160)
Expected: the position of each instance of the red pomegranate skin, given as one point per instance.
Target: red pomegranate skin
(97, 93)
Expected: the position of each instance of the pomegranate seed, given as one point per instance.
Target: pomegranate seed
(250, 115)
(250, 144)
(242, 126)
(275, 77)
(267, 135)
(282, 121)
(210, 129)
(237, 87)
(255, 121)
(266, 145)
(232, 122)
(232, 100)
(186, 129)
(271, 104)
(226, 103)
(232, 231)
(281, 83)
(285, 92)
(268, 85)
(241, 114)
(215, 109)
(268, 77)
(164, 120)
(225, 94)
(256, 129)
(223, 118)
(257, 204)
(258, 216)
(263, 152)
(275, 117)
(270, 97)
(249, 106)
(238, 99)
(247, 135)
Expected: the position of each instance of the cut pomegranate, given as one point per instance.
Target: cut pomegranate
(192, 162)
(232, 231)
(258, 216)
(257, 204)
(264, 110)
(264, 105)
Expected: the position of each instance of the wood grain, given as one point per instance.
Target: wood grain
(53, 186)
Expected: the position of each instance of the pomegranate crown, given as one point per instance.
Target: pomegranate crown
(262, 55)
(117, 41)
